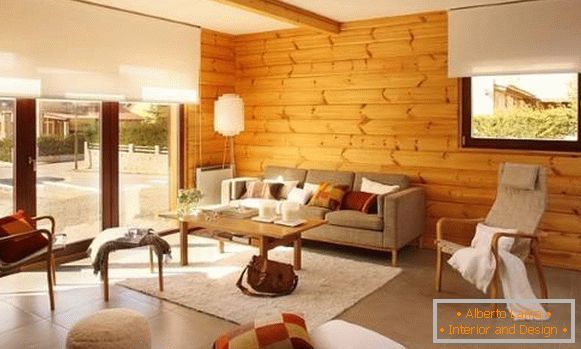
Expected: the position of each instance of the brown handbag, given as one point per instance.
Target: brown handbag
(270, 278)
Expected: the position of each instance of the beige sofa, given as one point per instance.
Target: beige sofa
(399, 221)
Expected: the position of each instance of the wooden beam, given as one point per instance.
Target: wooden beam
(287, 13)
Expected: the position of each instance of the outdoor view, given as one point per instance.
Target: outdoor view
(7, 110)
(68, 158)
(66, 188)
(534, 107)
(144, 164)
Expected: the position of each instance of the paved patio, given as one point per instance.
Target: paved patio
(73, 196)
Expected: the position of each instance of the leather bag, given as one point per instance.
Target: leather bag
(269, 278)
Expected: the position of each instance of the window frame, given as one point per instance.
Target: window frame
(467, 141)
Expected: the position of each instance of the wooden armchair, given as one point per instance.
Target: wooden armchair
(520, 203)
(44, 254)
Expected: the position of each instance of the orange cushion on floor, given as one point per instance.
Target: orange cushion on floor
(281, 331)
(17, 249)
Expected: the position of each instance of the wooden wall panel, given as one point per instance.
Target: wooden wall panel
(376, 97)
(217, 76)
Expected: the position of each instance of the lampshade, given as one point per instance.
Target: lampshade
(229, 115)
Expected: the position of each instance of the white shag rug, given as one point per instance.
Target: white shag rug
(327, 286)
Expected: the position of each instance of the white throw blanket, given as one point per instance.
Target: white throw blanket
(107, 235)
(477, 265)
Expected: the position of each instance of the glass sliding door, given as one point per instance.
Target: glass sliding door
(144, 163)
(67, 175)
(7, 112)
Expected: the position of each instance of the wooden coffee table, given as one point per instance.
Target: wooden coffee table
(265, 236)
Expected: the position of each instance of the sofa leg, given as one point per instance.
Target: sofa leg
(394, 258)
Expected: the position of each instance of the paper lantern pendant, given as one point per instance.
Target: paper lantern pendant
(229, 115)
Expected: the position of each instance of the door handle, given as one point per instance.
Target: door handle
(32, 161)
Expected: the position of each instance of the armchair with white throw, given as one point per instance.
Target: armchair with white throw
(503, 239)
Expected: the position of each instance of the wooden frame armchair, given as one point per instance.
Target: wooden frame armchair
(516, 206)
(45, 253)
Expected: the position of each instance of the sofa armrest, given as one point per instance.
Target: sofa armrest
(404, 214)
(233, 188)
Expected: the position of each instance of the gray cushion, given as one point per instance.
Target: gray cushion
(384, 178)
(519, 176)
(345, 235)
(287, 174)
(355, 219)
(313, 212)
(331, 177)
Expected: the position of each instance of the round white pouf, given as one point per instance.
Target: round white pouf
(111, 329)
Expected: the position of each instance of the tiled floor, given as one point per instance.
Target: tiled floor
(400, 310)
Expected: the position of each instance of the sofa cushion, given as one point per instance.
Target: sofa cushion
(287, 186)
(299, 196)
(369, 186)
(384, 178)
(285, 174)
(313, 212)
(331, 177)
(262, 190)
(329, 196)
(360, 201)
(355, 219)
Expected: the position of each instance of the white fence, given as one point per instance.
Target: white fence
(132, 159)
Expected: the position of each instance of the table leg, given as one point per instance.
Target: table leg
(105, 276)
(220, 246)
(160, 271)
(263, 246)
(184, 243)
(298, 244)
(150, 259)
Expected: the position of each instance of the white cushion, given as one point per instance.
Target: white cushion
(483, 238)
(299, 196)
(338, 334)
(369, 186)
(311, 187)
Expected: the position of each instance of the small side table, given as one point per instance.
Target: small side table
(105, 270)
(117, 239)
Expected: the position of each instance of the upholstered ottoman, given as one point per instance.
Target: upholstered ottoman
(111, 329)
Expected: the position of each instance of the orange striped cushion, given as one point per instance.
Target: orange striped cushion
(17, 249)
(328, 196)
(280, 331)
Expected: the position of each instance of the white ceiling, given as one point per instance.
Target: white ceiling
(205, 13)
(223, 18)
(352, 10)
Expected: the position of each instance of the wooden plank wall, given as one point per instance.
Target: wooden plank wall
(376, 97)
(217, 76)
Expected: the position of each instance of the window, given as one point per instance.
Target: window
(67, 171)
(534, 111)
(7, 111)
